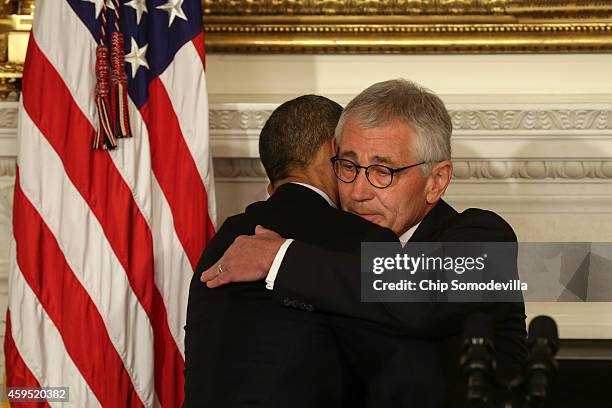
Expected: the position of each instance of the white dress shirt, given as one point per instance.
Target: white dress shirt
(405, 237)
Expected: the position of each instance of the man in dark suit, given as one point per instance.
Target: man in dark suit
(241, 349)
(393, 166)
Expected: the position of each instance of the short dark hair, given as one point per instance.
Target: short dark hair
(294, 133)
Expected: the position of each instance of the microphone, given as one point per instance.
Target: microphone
(543, 341)
(477, 361)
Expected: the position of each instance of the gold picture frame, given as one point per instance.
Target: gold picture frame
(407, 26)
(368, 26)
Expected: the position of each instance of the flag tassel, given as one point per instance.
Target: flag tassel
(119, 86)
(104, 138)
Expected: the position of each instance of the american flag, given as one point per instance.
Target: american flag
(106, 241)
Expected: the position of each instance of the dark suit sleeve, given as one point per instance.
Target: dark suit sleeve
(330, 281)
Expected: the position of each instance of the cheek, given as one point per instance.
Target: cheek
(400, 205)
(344, 194)
(390, 206)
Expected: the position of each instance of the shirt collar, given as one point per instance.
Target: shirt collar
(318, 191)
(405, 237)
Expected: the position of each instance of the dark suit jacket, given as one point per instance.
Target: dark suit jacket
(241, 349)
(333, 285)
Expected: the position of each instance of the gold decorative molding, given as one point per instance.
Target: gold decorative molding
(15, 23)
(560, 9)
(407, 26)
(374, 26)
(11, 70)
(10, 81)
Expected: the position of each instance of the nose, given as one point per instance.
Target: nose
(361, 189)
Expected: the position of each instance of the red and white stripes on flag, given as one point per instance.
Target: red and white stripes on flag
(105, 242)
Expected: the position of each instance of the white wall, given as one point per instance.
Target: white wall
(458, 78)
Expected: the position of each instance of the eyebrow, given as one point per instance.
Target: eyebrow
(375, 159)
(382, 159)
(349, 153)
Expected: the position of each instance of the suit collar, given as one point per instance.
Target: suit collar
(319, 192)
(297, 195)
(435, 219)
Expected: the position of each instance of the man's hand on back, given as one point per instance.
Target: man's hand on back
(248, 259)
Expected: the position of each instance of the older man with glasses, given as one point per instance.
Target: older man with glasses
(393, 165)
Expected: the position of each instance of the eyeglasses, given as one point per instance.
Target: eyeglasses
(378, 175)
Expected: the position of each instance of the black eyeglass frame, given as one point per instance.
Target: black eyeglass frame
(367, 170)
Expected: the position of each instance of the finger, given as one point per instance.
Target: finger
(210, 273)
(259, 230)
(220, 280)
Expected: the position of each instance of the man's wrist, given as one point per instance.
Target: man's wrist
(276, 264)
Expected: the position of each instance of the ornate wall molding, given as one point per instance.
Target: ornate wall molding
(252, 118)
(532, 119)
(8, 166)
(508, 133)
(225, 119)
(468, 119)
(227, 169)
(483, 132)
(239, 168)
(526, 170)
(8, 115)
(492, 143)
(6, 212)
(473, 170)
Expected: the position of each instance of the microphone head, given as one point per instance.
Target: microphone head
(544, 328)
(478, 325)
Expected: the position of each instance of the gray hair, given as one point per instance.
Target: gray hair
(418, 107)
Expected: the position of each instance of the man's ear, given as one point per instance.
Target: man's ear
(439, 178)
(334, 146)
